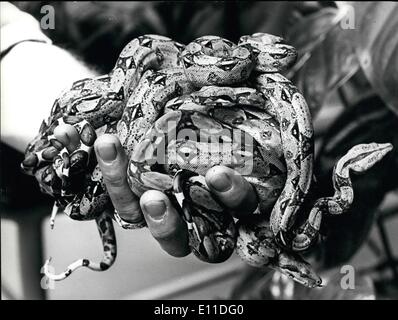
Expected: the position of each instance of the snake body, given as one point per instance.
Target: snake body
(290, 108)
(358, 159)
(160, 89)
(256, 242)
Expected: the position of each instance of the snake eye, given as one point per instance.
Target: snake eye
(238, 120)
(278, 56)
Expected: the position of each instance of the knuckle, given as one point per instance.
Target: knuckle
(114, 178)
(129, 206)
(132, 215)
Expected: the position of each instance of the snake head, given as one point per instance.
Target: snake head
(300, 271)
(362, 157)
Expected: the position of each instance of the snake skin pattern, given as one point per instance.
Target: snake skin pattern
(160, 89)
(256, 242)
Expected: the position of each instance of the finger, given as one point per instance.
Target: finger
(165, 224)
(234, 191)
(68, 136)
(112, 161)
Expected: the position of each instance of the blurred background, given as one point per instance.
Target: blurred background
(347, 71)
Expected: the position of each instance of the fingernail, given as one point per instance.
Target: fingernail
(107, 151)
(156, 209)
(221, 182)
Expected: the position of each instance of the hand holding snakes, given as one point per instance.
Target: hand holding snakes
(160, 92)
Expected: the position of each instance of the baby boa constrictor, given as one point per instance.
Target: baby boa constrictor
(256, 242)
(154, 74)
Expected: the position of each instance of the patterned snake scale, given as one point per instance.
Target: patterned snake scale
(179, 110)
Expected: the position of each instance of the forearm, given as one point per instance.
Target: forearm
(32, 76)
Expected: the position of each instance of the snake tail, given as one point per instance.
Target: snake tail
(107, 234)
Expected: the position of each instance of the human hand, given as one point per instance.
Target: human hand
(163, 220)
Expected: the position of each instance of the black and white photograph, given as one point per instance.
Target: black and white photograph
(199, 154)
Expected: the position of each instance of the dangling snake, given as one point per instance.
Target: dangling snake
(172, 107)
(256, 243)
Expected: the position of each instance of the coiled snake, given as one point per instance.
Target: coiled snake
(179, 110)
